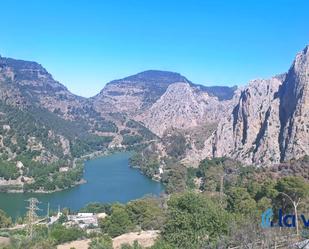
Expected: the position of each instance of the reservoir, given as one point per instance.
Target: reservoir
(109, 179)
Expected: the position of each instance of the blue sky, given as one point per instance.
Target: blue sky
(85, 44)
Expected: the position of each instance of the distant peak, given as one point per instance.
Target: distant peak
(155, 76)
(22, 64)
(157, 73)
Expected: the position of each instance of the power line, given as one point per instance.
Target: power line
(32, 216)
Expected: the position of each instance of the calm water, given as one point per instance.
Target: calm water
(109, 179)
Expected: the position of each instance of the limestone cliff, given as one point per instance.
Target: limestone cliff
(163, 100)
(135, 93)
(269, 123)
(294, 109)
(183, 106)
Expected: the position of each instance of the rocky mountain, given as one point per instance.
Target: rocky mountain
(248, 132)
(135, 93)
(183, 106)
(294, 109)
(29, 84)
(269, 123)
(262, 123)
(44, 127)
(163, 100)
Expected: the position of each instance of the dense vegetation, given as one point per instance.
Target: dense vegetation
(145, 214)
(8, 170)
(224, 212)
(5, 221)
(176, 145)
(142, 130)
(147, 162)
(216, 205)
(131, 139)
(35, 137)
(135, 136)
(58, 180)
(175, 173)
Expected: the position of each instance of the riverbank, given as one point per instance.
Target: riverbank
(14, 186)
(109, 179)
(82, 181)
(11, 190)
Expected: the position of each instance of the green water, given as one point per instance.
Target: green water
(109, 179)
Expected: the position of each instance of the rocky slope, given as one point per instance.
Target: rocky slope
(183, 106)
(264, 122)
(269, 124)
(135, 93)
(248, 132)
(29, 87)
(43, 127)
(294, 109)
(33, 85)
(163, 100)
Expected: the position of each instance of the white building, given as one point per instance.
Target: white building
(83, 220)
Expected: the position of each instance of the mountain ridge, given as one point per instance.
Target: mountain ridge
(247, 118)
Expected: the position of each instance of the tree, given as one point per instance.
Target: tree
(103, 242)
(267, 189)
(61, 234)
(240, 201)
(193, 221)
(118, 222)
(264, 203)
(146, 213)
(294, 189)
(161, 244)
(62, 219)
(97, 208)
(175, 177)
(5, 221)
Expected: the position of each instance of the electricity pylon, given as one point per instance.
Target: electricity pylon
(32, 216)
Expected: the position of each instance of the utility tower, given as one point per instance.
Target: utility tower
(31, 215)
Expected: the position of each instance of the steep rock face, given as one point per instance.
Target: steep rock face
(34, 105)
(9, 94)
(183, 106)
(294, 109)
(163, 100)
(256, 123)
(135, 92)
(250, 133)
(27, 83)
(269, 123)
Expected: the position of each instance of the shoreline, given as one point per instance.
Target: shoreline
(18, 189)
(12, 191)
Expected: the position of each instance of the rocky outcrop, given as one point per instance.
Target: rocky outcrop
(163, 100)
(183, 106)
(135, 93)
(294, 109)
(269, 124)
(26, 83)
(249, 133)
(265, 122)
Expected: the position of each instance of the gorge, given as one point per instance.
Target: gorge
(109, 179)
(44, 127)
